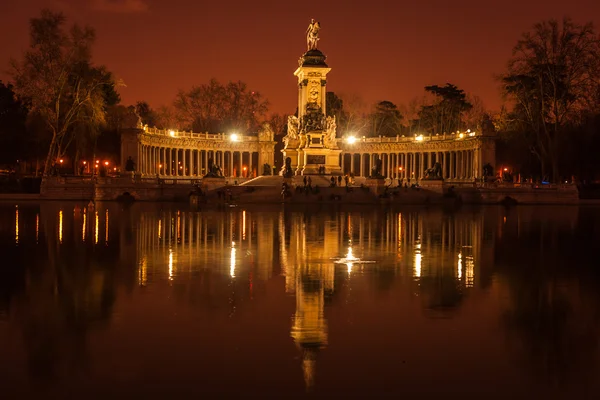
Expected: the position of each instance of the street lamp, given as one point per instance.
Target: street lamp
(234, 137)
(351, 139)
(245, 172)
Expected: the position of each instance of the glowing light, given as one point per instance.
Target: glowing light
(83, 224)
(468, 130)
(106, 228)
(351, 139)
(234, 137)
(505, 169)
(419, 138)
(461, 135)
(61, 161)
(171, 133)
(232, 261)
(160, 229)
(96, 230)
(459, 266)
(244, 225)
(170, 264)
(106, 163)
(17, 225)
(85, 162)
(399, 168)
(60, 226)
(37, 227)
(472, 134)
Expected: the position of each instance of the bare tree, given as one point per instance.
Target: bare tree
(57, 79)
(553, 78)
(214, 107)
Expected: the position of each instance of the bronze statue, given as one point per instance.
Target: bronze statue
(312, 34)
(376, 170)
(287, 169)
(434, 172)
(214, 171)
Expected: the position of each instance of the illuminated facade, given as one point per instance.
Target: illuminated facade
(176, 154)
(461, 155)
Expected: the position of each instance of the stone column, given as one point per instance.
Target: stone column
(241, 162)
(351, 163)
(422, 163)
(230, 172)
(250, 174)
(176, 162)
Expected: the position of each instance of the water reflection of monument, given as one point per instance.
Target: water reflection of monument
(441, 256)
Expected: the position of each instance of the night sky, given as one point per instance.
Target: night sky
(380, 50)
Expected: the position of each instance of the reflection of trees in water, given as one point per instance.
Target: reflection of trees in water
(67, 293)
(553, 315)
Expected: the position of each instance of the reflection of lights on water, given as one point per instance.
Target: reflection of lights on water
(417, 269)
(160, 229)
(178, 227)
(232, 261)
(96, 229)
(469, 271)
(37, 227)
(83, 224)
(504, 219)
(459, 266)
(60, 226)
(349, 259)
(170, 264)
(418, 261)
(244, 225)
(143, 274)
(17, 225)
(399, 229)
(106, 236)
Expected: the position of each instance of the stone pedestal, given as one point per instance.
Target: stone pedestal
(375, 185)
(315, 158)
(434, 185)
(213, 183)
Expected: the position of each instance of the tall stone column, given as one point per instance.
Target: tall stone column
(241, 163)
(177, 162)
(250, 174)
(230, 172)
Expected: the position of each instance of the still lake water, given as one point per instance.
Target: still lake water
(157, 301)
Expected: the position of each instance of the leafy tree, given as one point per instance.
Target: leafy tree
(335, 106)
(57, 79)
(552, 79)
(385, 120)
(146, 113)
(215, 107)
(447, 110)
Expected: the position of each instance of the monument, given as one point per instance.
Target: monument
(310, 142)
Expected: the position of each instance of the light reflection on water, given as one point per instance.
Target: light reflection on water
(359, 296)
